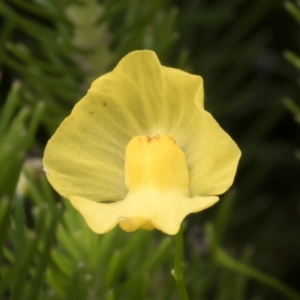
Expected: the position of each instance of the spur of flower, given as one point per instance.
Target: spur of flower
(139, 150)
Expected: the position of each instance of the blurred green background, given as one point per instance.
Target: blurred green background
(245, 247)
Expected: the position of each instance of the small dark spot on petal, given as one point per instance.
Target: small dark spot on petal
(91, 112)
(104, 104)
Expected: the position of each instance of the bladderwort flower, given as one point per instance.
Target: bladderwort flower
(139, 150)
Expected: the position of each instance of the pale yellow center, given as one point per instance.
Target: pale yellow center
(153, 163)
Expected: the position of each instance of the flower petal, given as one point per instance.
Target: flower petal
(146, 207)
(100, 217)
(85, 157)
(212, 156)
(184, 93)
(175, 207)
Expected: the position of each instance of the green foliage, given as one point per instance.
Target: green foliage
(294, 10)
(36, 47)
(47, 61)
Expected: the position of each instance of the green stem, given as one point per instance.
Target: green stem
(225, 260)
(177, 272)
(221, 257)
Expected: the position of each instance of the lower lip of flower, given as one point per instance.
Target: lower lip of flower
(155, 164)
(134, 223)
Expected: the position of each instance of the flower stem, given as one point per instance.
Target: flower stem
(177, 272)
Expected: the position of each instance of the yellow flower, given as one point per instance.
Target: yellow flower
(139, 150)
